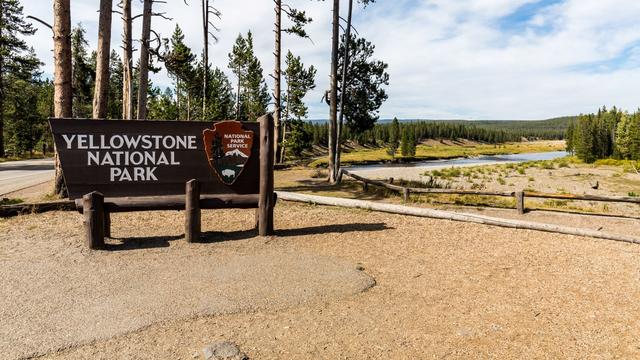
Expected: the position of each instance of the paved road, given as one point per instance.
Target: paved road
(16, 175)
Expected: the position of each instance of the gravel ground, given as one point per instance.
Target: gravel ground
(443, 289)
(55, 294)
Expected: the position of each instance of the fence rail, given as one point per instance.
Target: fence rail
(518, 195)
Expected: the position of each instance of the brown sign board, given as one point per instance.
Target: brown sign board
(153, 158)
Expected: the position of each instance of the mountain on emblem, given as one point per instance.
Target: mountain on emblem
(235, 152)
(228, 147)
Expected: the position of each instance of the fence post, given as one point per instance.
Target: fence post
(93, 211)
(405, 194)
(265, 204)
(192, 225)
(520, 202)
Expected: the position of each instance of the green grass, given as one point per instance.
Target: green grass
(7, 201)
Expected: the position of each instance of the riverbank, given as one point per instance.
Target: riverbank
(435, 150)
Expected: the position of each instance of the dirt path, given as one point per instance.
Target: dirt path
(443, 289)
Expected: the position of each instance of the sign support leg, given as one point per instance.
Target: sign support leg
(192, 223)
(266, 203)
(107, 224)
(93, 210)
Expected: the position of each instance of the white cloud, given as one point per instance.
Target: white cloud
(447, 59)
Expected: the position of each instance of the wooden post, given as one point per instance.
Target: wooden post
(520, 202)
(192, 211)
(107, 224)
(265, 204)
(93, 210)
(405, 194)
(365, 186)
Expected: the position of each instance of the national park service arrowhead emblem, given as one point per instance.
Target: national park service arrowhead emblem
(228, 147)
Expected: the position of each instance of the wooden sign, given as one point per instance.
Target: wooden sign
(144, 158)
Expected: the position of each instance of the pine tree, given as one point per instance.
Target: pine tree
(394, 135)
(364, 87)
(257, 96)
(179, 63)
(405, 147)
(114, 99)
(299, 81)
(82, 73)
(161, 104)
(220, 101)
(15, 58)
(569, 137)
(628, 136)
(238, 61)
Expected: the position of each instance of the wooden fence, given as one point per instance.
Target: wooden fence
(519, 196)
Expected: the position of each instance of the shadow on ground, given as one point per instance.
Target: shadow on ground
(219, 236)
(208, 237)
(141, 242)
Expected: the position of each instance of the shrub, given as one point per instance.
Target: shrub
(319, 174)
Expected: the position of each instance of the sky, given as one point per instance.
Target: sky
(462, 59)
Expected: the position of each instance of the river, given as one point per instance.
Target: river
(415, 170)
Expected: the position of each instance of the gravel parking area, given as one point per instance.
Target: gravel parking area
(442, 289)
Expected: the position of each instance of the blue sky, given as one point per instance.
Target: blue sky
(472, 59)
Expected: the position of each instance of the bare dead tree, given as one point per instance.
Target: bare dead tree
(343, 86)
(333, 93)
(299, 20)
(146, 52)
(62, 96)
(143, 71)
(278, 78)
(207, 11)
(127, 61)
(102, 61)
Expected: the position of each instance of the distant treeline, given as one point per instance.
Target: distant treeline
(608, 133)
(492, 132)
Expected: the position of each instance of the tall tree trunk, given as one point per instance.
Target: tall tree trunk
(178, 99)
(102, 61)
(283, 149)
(276, 75)
(238, 97)
(143, 73)
(333, 96)
(2, 94)
(343, 86)
(205, 55)
(127, 62)
(188, 106)
(62, 97)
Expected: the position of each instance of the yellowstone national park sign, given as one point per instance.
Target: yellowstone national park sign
(147, 158)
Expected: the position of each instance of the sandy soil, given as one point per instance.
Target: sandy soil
(443, 289)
